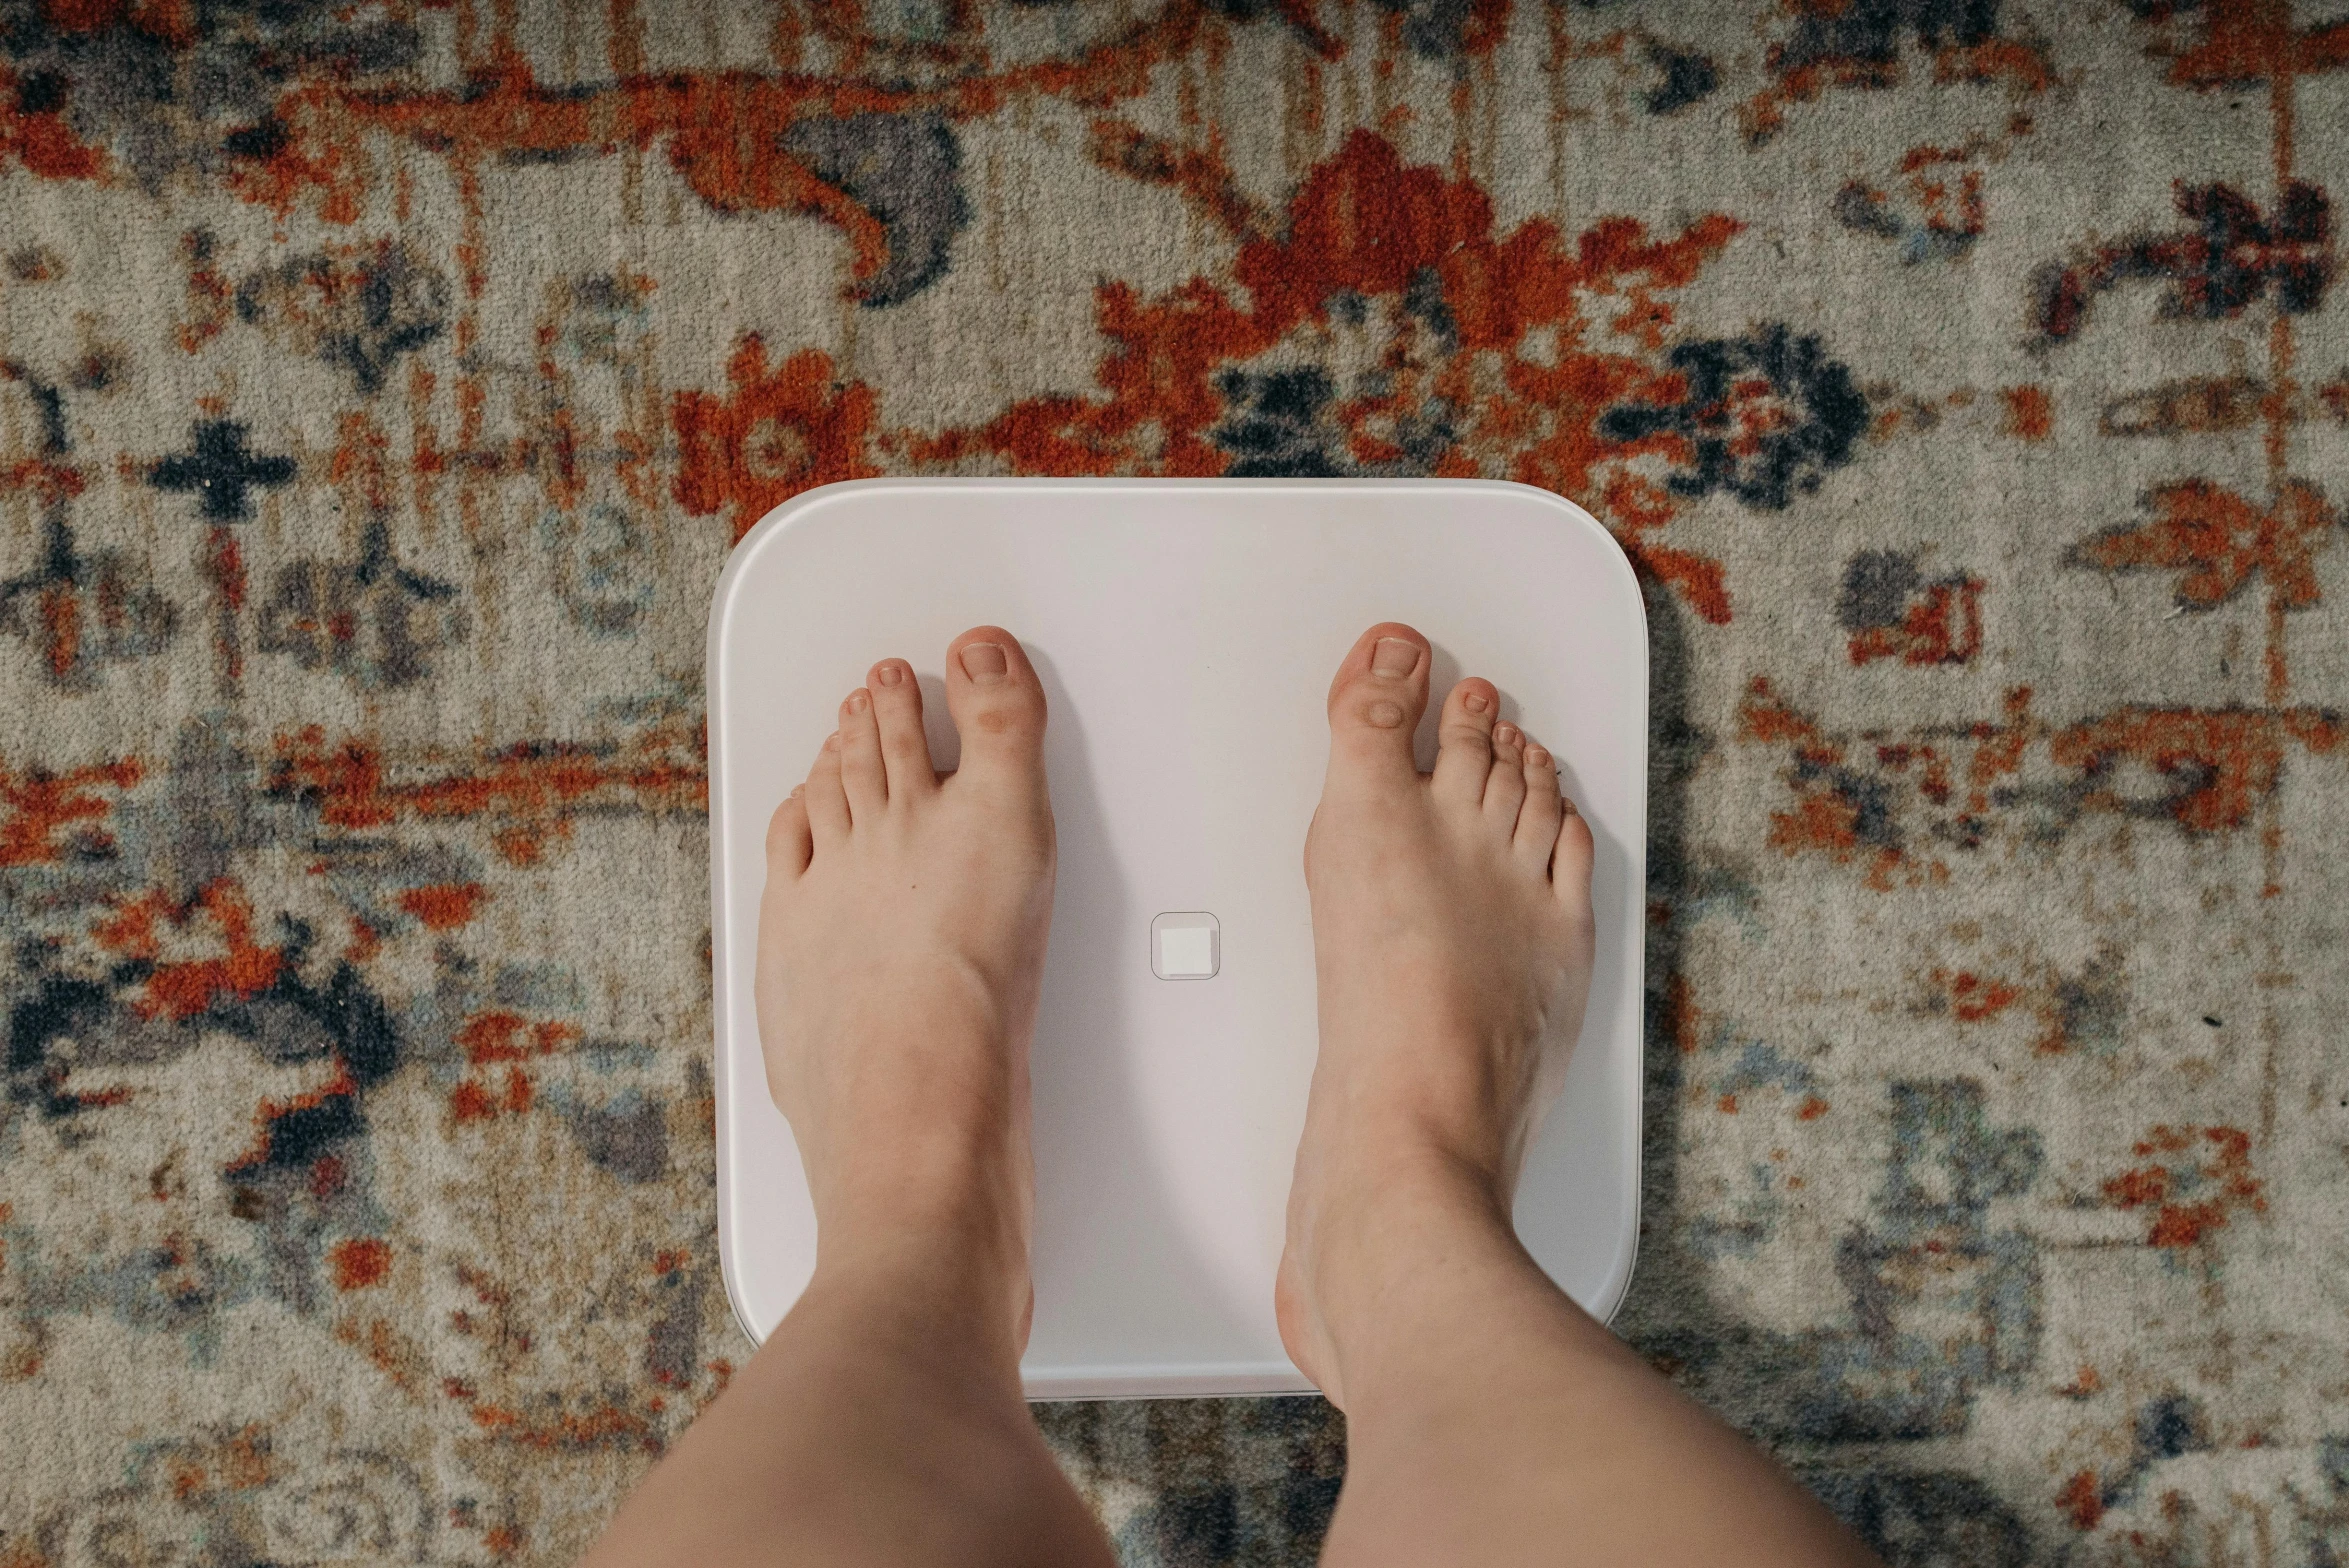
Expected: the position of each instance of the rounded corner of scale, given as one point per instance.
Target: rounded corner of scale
(743, 1319)
(777, 519)
(1618, 1289)
(1611, 1301)
(1627, 577)
(728, 1280)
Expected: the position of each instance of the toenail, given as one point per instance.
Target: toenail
(1386, 715)
(1394, 656)
(891, 674)
(1505, 734)
(1569, 805)
(832, 741)
(985, 661)
(1535, 757)
(1476, 702)
(859, 700)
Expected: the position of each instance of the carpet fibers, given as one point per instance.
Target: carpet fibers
(383, 382)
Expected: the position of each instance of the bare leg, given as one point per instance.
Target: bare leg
(1488, 1418)
(901, 944)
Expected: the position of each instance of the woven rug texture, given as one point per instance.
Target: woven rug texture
(384, 382)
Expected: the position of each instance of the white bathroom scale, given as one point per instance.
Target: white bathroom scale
(1186, 632)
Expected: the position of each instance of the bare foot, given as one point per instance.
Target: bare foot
(1452, 943)
(901, 946)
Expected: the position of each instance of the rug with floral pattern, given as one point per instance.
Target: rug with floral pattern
(383, 383)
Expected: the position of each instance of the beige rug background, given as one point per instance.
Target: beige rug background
(382, 386)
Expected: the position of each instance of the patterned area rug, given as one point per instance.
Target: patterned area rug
(383, 384)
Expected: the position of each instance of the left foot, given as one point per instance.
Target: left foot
(900, 953)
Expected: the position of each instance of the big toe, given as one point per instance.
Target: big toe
(1375, 703)
(998, 705)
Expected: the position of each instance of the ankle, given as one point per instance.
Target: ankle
(1430, 1073)
(1426, 1140)
(1376, 1219)
(943, 1204)
(955, 1279)
(937, 1191)
(1397, 1269)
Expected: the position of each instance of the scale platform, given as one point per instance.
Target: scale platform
(1186, 632)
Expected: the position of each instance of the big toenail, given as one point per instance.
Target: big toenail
(892, 674)
(1394, 656)
(1476, 702)
(1386, 715)
(859, 700)
(985, 661)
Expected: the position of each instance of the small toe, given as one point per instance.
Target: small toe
(1464, 741)
(1570, 860)
(862, 772)
(789, 843)
(1504, 787)
(998, 705)
(1375, 702)
(1538, 817)
(825, 798)
(897, 711)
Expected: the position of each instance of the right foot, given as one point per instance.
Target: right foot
(1452, 943)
